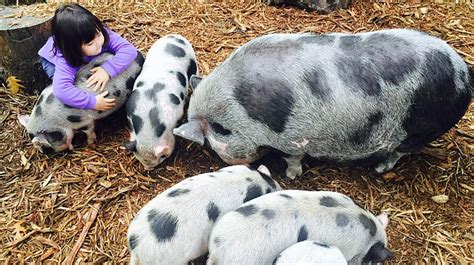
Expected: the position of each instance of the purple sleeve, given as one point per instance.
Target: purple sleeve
(124, 52)
(66, 92)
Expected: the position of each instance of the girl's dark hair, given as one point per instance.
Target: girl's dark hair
(71, 27)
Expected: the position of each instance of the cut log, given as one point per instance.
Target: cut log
(21, 2)
(20, 39)
(321, 6)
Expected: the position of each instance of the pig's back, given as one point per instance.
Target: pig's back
(349, 96)
(271, 223)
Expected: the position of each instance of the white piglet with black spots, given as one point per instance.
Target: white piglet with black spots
(310, 252)
(259, 230)
(158, 97)
(174, 227)
(52, 124)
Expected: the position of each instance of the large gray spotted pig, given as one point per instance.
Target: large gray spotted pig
(158, 98)
(366, 98)
(310, 252)
(52, 124)
(174, 227)
(259, 230)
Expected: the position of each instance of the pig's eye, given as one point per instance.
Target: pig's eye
(218, 128)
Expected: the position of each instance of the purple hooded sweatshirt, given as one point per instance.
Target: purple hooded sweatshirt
(65, 74)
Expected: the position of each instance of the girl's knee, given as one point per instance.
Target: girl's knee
(48, 67)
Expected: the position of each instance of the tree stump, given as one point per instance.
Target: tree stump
(14, 2)
(320, 6)
(20, 40)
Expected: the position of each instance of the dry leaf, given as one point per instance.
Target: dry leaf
(389, 176)
(19, 230)
(24, 160)
(104, 183)
(13, 84)
(46, 181)
(424, 10)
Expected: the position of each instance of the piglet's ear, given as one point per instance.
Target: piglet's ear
(24, 119)
(264, 170)
(378, 253)
(195, 80)
(132, 145)
(191, 130)
(383, 219)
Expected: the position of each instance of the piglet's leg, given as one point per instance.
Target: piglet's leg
(90, 132)
(389, 163)
(294, 166)
(69, 136)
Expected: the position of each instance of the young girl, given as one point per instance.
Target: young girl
(77, 37)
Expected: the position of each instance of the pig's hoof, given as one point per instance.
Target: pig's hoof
(294, 168)
(389, 163)
(91, 138)
(384, 167)
(294, 171)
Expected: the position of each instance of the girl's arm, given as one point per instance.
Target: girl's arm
(66, 92)
(124, 52)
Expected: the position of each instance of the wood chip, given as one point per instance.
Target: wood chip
(440, 198)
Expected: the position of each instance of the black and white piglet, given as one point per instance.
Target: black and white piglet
(259, 230)
(174, 227)
(52, 124)
(158, 97)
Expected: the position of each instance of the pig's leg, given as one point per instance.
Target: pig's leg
(294, 166)
(90, 132)
(389, 163)
(69, 136)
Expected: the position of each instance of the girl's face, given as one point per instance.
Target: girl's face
(94, 47)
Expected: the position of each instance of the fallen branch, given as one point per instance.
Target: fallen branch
(92, 215)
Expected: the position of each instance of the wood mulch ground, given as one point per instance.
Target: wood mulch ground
(53, 207)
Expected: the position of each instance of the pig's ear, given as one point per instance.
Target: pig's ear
(195, 80)
(162, 150)
(132, 145)
(264, 170)
(377, 253)
(40, 140)
(383, 219)
(24, 119)
(191, 130)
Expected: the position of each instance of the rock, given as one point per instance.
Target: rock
(440, 198)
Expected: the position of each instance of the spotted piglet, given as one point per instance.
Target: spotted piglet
(52, 124)
(174, 227)
(158, 97)
(310, 252)
(259, 230)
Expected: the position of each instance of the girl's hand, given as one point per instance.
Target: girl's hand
(99, 77)
(103, 103)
